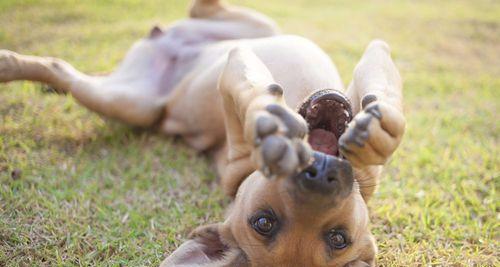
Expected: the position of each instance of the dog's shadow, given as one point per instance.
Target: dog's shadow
(141, 153)
(140, 184)
(124, 162)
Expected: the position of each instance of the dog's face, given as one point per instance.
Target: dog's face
(314, 218)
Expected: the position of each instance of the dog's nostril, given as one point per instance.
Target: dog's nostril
(326, 175)
(331, 178)
(311, 172)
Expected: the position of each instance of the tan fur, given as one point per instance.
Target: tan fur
(220, 102)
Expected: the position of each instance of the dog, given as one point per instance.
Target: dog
(300, 155)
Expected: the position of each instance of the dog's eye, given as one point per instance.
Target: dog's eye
(337, 239)
(263, 223)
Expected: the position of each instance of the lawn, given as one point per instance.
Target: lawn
(76, 189)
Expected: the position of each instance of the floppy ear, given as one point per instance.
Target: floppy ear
(206, 248)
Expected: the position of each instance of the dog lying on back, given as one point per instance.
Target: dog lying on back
(300, 155)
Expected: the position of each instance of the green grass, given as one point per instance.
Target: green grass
(93, 192)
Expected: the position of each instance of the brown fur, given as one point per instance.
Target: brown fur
(227, 102)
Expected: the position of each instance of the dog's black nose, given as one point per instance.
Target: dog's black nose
(327, 175)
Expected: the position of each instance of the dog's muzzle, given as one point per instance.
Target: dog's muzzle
(327, 176)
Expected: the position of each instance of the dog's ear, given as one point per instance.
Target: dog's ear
(206, 247)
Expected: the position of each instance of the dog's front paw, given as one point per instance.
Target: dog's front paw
(280, 148)
(373, 135)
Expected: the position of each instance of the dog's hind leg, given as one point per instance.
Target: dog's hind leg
(52, 71)
(106, 95)
(239, 22)
(262, 132)
(205, 8)
(377, 129)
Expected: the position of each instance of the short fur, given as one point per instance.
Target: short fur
(221, 79)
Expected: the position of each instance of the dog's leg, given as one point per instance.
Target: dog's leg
(52, 71)
(262, 132)
(205, 8)
(377, 129)
(240, 22)
(103, 95)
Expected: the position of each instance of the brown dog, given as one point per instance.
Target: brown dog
(227, 82)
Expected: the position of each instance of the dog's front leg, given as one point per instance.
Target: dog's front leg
(262, 132)
(377, 129)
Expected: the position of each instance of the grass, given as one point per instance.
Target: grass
(86, 191)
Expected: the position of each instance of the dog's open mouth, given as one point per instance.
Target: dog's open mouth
(327, 113)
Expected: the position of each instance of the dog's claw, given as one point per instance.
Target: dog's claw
(368, 99)
(266, 171)
(275, 89)
(366, 140)
(304, 153)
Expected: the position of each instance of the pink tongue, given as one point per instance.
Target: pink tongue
(323, 141)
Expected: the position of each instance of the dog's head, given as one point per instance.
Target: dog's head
(314, 218)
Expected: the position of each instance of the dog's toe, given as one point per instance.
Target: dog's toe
(278, 156)
(370, 138)
(264, 126)
(273, 149)
(280, 148)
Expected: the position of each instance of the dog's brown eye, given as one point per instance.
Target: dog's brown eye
(337, 239)
(264, 223)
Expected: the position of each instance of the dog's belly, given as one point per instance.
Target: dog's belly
(195, 108)
(156, 65)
